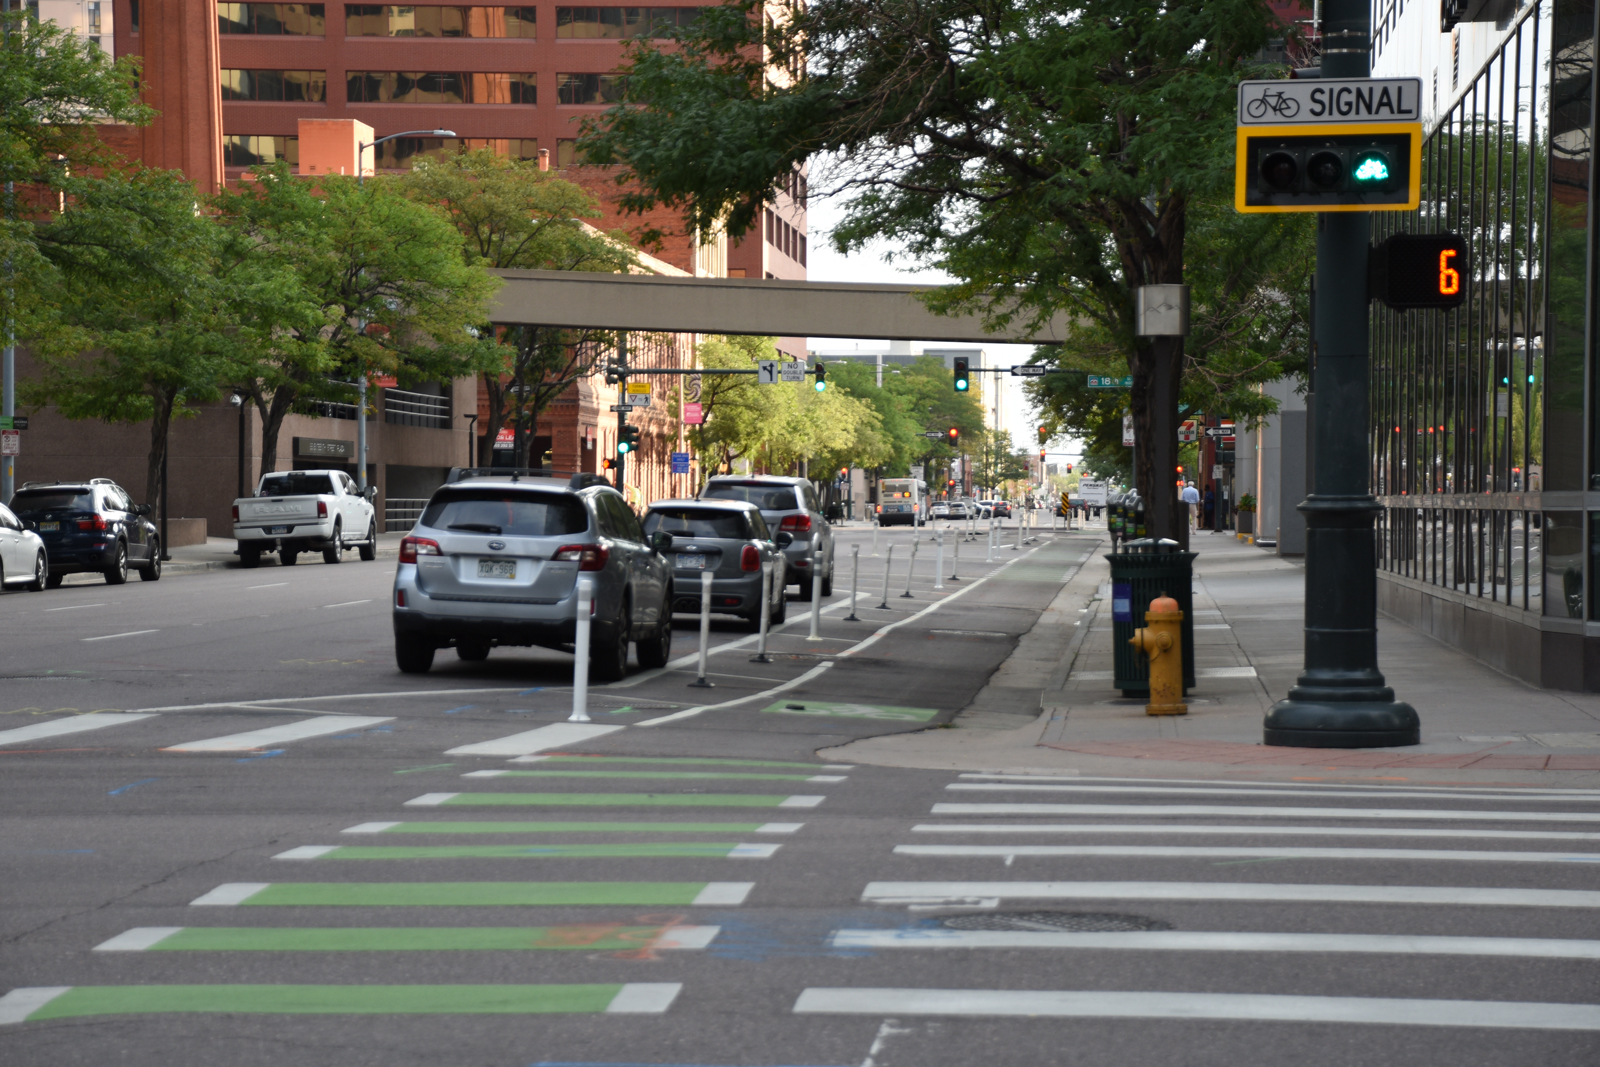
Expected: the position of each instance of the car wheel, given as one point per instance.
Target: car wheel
(780, 611)
(473, 650)
(151, 572)
(335, 554)
(54, 581)
(117, 573)
(41, 574)
(249, 556)
(288, 557)
(608, 654)
(655, 650)
(369, 551)
(413, 653)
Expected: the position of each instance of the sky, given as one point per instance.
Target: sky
(823, 264)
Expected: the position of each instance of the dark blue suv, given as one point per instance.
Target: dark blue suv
(90, 526)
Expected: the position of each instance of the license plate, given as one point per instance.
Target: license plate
(497, 568)
(691, 563)
(49, 527)
(279, 529)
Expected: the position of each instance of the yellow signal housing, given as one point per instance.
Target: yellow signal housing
(1319, 167)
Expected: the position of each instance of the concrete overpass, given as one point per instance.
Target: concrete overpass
(742, 306)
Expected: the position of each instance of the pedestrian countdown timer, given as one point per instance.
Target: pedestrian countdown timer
(1419, 270)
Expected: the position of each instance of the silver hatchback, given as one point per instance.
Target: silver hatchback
(495, 561)
(791, 506)
(730, 541)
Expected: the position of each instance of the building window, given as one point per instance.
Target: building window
(568, 154)
(616, 23)
(387, 20)
(296, 86)
(439, 87)
(589, 88)
(133, 16)
(273, 20)
(254, 150)
(403, 152)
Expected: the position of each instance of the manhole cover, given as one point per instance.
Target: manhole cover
(1086, 922)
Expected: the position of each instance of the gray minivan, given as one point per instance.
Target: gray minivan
(791, 506)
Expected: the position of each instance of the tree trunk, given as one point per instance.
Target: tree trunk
(160, 422)
(272, 416)
(496, 395)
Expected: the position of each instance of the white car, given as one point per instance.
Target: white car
(305, 511)
(940, 510)
(22, 556)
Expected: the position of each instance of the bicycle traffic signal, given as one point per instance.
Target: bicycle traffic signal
(961, 373)
(1416, 270)
(627, 440)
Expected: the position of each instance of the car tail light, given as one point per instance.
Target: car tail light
(412, 547)
(399, 598)
(98, 524)
(750, 559)
(880, 509)
(322, 509)
(236, 513)
(588, 557)
(796, 522)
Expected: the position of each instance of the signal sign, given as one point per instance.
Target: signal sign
(1416, 270)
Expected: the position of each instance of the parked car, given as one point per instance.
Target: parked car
(23, 559)
(730, 539)
(494, 561)
(939, 510)
(305, 511)
(958, 509)
(90, 526)
(789, 505)
(998, 508)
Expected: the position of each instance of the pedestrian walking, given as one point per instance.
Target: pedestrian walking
(1191, 497)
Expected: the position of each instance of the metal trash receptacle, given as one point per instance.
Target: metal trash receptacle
(1142, 571)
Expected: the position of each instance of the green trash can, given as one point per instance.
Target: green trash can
(1142, 571)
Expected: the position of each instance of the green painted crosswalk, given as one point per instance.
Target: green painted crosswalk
(684, 760)
(589, 937)
(617, 800)
(576, 827)
(474, 894)
(677, 775)
(67, 1002)
(632, 850)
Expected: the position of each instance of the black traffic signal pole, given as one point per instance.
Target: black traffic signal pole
(1340, 699)
(622, 416)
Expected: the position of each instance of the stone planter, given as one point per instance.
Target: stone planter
(1246, 521)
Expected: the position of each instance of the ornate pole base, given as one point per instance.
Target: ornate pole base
(1306, 722)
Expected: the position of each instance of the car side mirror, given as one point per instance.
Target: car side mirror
(783, 539)
(661, 541)
(142, 509)
(371, 493)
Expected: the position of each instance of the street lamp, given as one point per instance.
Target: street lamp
(361, 403)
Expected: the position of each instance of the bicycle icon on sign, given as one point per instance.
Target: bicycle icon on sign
(1276, 101)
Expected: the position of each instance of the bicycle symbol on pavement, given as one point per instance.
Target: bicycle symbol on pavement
(1277, 101)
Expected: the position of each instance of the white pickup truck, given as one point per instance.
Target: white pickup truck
(305, 511)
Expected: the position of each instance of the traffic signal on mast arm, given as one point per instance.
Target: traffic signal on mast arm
(961, 372)
(953, 436)
(1044, 434)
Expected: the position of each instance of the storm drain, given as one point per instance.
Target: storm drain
(1084, 922)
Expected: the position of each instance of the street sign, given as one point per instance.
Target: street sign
(933, 435)
(1030, 370)
(1225, 430)
(13, 422)
(624, 408)
(1106, 381)
(1188, 430)
(693, 415)
(918, 472)
(635, 388)
(680, 463)
(1279, 102)
(10, 442)
(766, 372)
(792, 371)
(638, 400)
(1092, 493)
(1127, 431)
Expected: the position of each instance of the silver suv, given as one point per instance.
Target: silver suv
(789, 505)
(729, 540)
(495, 560)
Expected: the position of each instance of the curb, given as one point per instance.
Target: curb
(177, 568)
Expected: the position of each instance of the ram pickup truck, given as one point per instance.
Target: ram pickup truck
(305, 511)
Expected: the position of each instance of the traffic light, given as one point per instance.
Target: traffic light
(822, 378)
(1044, 434)
(961, 372)
(954, 436)
(1069, 468)
(627, 440)
(1342, 167)
(1042, 454)
(613, 374)
(1417, 270)
(951, 484)
(608, 464)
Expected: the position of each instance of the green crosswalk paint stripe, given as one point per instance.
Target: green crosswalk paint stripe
(569, 851)
(331, 1000)
(729, 775)
(474, 894)
(814, 767)
(464, 827)
(634, 800)
(592, 937)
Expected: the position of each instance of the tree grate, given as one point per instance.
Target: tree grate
(1084, 922)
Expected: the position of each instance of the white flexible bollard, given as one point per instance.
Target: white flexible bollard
(938, 565)
(955, 559)
(855, 580)
(990, 544)
(1021, 521)
(888, 565)
(911, 568)
(705, 629)
(766, 614)
(816, 594)
(580, 652)
(875, 525)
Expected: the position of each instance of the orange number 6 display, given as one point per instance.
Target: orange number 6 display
(1449, 277)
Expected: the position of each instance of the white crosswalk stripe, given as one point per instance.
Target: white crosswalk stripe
(251, 740)
(60, 727)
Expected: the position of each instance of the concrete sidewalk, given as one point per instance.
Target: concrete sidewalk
(1051, 706)
(221, 553)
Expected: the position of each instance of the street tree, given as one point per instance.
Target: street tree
(512, 215)
(1045, 154)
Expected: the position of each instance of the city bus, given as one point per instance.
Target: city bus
(902, 501)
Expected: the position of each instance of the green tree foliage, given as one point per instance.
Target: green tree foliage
(1053, 156)
(373, 283)
(512, 215)
(141, 324)
(912, 399)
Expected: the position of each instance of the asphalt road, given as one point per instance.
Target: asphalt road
(298, 855)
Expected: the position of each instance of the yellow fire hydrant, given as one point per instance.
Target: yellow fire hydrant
(1161, 640)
